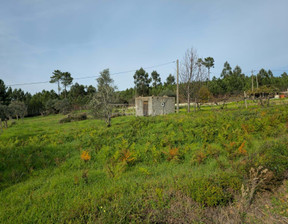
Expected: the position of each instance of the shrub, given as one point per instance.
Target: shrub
(213, 191)
(274, 156)
(70, 118)
(65, 120)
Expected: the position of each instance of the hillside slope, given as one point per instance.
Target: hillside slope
(200, 167)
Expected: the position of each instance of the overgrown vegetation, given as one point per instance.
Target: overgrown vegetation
(209, 167)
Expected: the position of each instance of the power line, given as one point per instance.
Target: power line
(94, 76)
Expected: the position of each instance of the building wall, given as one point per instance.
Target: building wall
(156, 105)
(163, 105)
(139, 105)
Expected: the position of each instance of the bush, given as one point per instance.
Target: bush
(65, 120)
(79, 117)
(274, 156)
(213, 191)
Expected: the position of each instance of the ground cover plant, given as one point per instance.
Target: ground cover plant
(211, 166)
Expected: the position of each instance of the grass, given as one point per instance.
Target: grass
(174, 168)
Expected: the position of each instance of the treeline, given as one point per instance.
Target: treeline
(232, 82)
(45, 102)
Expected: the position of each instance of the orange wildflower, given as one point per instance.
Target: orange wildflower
(85, 156)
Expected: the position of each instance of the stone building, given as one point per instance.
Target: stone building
(154, 105)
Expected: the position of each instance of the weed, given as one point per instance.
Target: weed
(85, 156)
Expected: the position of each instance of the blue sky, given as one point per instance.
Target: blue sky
(85, 37)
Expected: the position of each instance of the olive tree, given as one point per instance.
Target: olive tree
(18, 109)
(102, 101)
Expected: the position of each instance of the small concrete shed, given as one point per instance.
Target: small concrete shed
(154, 105)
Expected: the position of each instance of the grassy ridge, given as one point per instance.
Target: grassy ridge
(139, 168)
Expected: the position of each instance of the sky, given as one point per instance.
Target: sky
(85, 37)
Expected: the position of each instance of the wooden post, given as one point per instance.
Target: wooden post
(245, 100)
(252, 81)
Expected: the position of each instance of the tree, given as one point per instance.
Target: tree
(142, 81)
(16, 94)
(227, 70)
(237, 81)
(90, 90)
(170, 80)
(284, 81)
(78, 95)
(3, 115)
(208, 63)
(37, 103)
(204, 94)
(4, 97)
(57, 76)
(102, 102)
(265, 78)
(18, 109)
(189, 72)
(66, 80)
(156, 80)
(63, 106)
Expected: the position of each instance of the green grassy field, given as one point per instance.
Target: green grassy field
(185, 168)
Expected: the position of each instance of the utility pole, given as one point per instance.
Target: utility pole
(177, 94)
(257, 81)
(252, 81)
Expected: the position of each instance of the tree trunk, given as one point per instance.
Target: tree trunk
(109, 121)
(58, 88)
(261, 102)
(6, 124)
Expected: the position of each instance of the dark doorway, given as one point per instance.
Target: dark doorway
(145, 108)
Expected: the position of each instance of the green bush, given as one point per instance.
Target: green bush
(274, 156)
(76, 117)
(215, 190)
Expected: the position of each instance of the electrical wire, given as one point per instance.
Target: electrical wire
(94, 76)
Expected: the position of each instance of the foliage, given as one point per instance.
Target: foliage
(18, 109)
(102, 102)
(75, 117)
(66, 80)
(182, 167)
(170, 80)
(156, 80)
(63, 106)
(142, 82)
(56, 78)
